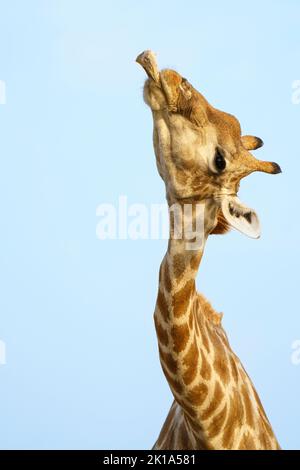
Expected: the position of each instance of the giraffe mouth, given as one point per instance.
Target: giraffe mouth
(240, 217)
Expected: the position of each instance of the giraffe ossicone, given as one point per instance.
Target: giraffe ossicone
(201, 155)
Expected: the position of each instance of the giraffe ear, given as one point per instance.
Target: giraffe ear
(250, 142)
(240, 217)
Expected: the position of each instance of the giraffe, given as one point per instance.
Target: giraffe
(201, 156)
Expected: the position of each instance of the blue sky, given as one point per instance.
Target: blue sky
(82, 368)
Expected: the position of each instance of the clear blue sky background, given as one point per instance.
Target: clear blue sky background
(76, 313)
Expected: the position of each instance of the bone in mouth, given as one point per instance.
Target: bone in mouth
(234, 211)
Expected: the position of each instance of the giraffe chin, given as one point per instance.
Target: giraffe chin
(240, 217)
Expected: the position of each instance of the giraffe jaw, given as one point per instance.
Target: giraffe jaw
(240, 217)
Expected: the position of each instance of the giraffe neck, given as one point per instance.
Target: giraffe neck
(175, 320)
(219, 407)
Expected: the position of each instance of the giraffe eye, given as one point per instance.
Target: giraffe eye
(220, 162)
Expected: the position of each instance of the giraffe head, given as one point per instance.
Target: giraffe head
(200, 151)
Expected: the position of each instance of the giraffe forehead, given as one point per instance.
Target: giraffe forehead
(227, 127)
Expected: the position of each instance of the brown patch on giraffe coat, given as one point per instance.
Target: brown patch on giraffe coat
(219, 343)
(264, 439)
(259, 403)
(247, 442)
(191, 319)
(179, 265)
(267, 432)
(222, 224)
(197, 430)
(268, 428)
(228, 437)
(269, 441)
(161, 332)
(198, 394)
(219, 346)
(163, 306)
(180, 335)
(200, 323)
(181, 299)
(205, 371)
(187, 406)
(167, 279)
(168, 361)
(218, 395)
(248, 405)
(220, 367)
(217, 422)
(233, 367)
(202, 444)
(234, 419)
(188, 409)
(174, 384)
(190, 361)
(263, 414)
(197, 328)
(205, 339)
(195, 260)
